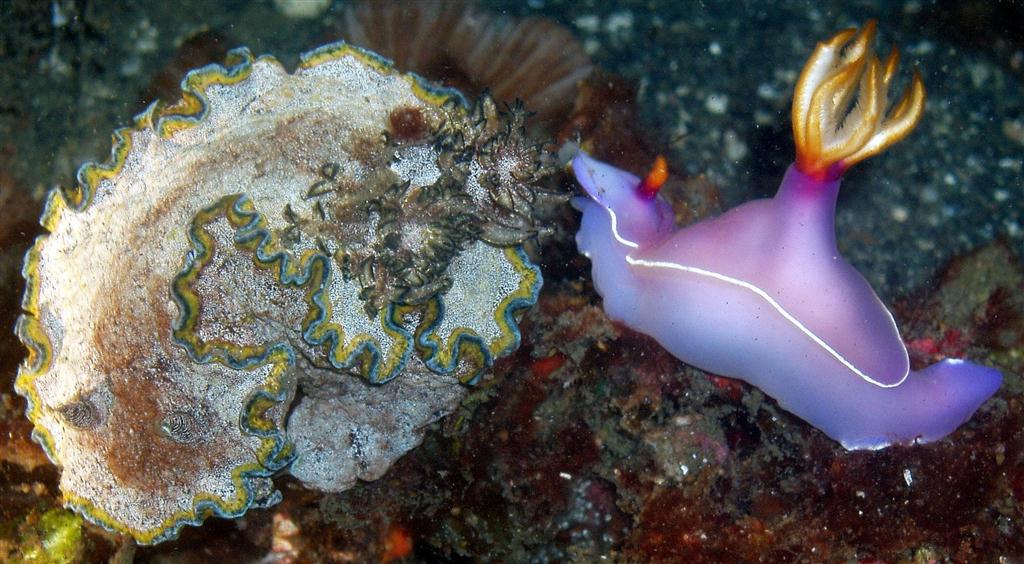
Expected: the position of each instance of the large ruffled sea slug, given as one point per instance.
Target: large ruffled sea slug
(280, 272)
(761, 292)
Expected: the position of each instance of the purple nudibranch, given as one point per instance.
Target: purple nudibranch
(761, 292)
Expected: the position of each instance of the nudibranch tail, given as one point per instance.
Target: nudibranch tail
(839, 105)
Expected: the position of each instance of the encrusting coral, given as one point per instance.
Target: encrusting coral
(231, 294)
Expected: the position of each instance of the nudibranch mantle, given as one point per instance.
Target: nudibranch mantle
(761, 293)
(323, 232)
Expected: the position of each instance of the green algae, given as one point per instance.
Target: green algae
(55, 537)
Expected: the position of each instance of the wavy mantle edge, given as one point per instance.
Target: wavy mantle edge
(164, 120)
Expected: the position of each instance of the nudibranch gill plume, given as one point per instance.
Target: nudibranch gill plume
(761, 292)
(279, 272)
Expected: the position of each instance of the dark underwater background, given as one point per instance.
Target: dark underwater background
(591, 442)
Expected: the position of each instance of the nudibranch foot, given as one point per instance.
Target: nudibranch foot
(761, 292)
(931, 404)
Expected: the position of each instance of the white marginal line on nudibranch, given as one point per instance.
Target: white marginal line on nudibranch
(759, 292)
(615, 231)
